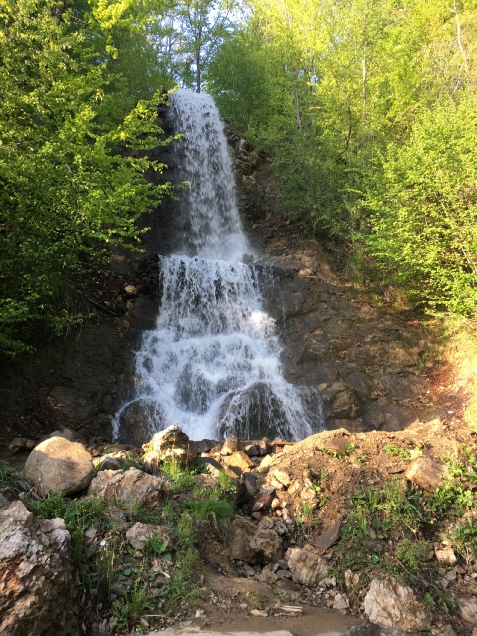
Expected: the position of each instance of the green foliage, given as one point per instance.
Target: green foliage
(424, 209)
(71, 178)
(9, 478)
(79, 515)
(412, 555)
(464, 537)
(397, 451)
(154, 546)
(129, 608)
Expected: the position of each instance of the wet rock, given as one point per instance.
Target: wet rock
(19, 444)
(341, 401)
(241, 532)
(231, 445)
(74, 405)
(445, 556)
(36, 585)
(267, 545)
(252, 450)
(60, 465)
(392, 605)
(128, 486)
(140, 532)
(426, 473)
(170, 443)
(257, 412)
(330, 537)
(468, 610)
(139, 420)
(306, 565)
(363, 629)
(239, 460)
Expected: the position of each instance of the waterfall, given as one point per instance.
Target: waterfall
(212, 363)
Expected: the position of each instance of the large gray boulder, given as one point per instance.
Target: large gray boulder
(59, 465)
(392, 605)
(36, 585)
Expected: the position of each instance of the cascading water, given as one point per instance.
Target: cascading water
(212, 363)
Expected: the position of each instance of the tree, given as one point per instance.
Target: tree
(69, 184)
(202, 26)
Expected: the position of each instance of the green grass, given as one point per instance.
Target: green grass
(9, 478)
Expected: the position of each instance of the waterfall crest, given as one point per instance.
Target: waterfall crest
(212, 363)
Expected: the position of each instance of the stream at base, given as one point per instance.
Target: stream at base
(212, 363)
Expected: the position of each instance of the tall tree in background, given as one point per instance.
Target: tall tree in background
(202, 27)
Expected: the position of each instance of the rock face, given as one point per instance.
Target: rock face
(131, 485)
(394, 606)
(74, 405)
(426, 473)
(341, 401)
(170, 443)
(257, 411)
(139, 420)
(306, 566)
(60, 465)
(36, 586)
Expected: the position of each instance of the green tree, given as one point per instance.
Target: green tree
(69, 183)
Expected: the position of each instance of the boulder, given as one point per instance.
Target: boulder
(468, 610)
(66, 433)
(74, 405)
(267, 545)
(59, 465)
(128, 486)
(445, 555)
(306, 565)
(239, 460)
(171, 443)
(392, 605)
(241, 532)
(231, 445)
(36, 584)
(140, 532)
(335, 443)
(426, 473)
(139, 420)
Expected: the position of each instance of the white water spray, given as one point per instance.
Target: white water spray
(212, 363)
